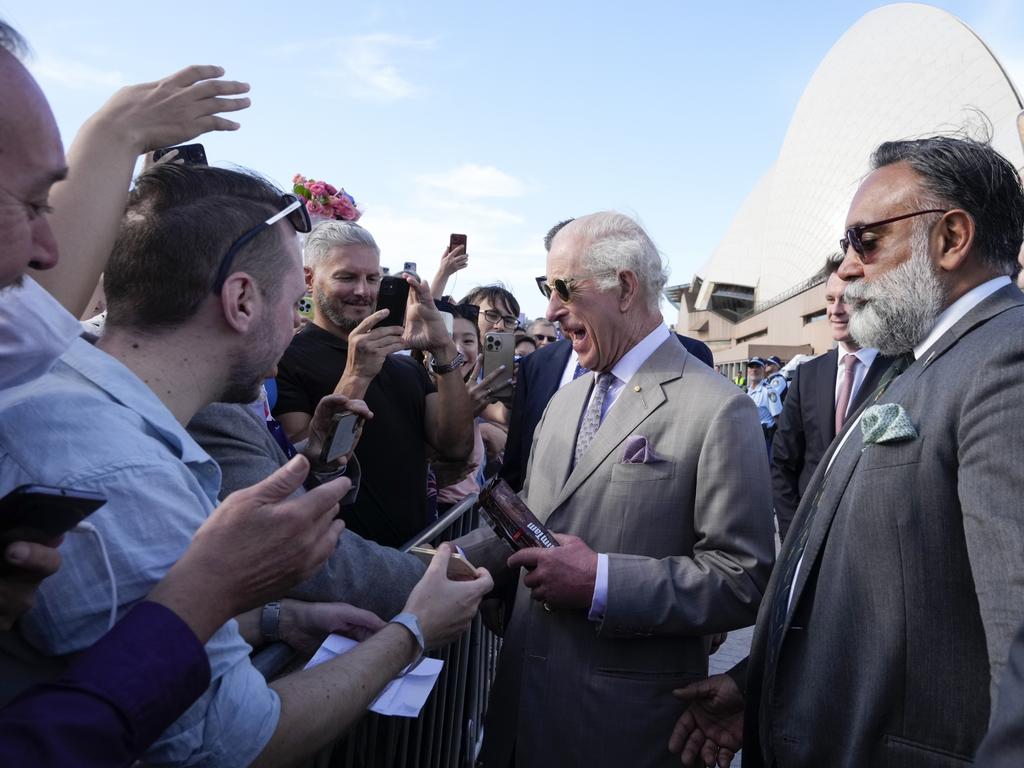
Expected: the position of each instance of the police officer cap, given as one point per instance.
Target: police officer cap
(755, 362)
(775, 360)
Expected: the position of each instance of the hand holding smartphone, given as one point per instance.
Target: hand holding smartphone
(41, 513)
(342, 437)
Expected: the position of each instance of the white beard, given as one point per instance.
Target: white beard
(897, 310)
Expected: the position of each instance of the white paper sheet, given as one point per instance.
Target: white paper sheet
(404, 696)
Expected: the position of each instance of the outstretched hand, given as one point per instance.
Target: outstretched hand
(711, 727)
(175, 109)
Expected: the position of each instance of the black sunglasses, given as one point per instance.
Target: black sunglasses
(860, 247)
(295, 211)
(539, 337)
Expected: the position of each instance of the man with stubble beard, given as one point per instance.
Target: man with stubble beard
(345, 350)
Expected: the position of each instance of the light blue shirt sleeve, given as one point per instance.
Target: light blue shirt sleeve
(155, 503)
(600, 601)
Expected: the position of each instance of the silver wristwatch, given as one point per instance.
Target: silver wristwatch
(270, 619)
(410, 622)
(455, 363)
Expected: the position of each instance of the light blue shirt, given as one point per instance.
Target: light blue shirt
(90, 423)
(768, 402)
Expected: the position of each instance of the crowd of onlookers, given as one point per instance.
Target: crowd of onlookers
(192, 470)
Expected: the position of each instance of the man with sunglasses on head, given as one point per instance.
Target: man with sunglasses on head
(885, 629)
(202, 286)
(651, 472)
(349, 350)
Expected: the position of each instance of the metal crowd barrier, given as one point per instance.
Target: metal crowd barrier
(448, 732)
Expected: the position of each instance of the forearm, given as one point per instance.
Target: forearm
(319, 704)
(353, 386)
(194, 598)
(439, 283)
(87, 210)
(451, 434)
(249, 627)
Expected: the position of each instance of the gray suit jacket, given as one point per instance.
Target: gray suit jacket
(690, 545)
(359, 572)
(1003, 746)
(910, 588)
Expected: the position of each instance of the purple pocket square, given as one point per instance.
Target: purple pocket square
(639, 451)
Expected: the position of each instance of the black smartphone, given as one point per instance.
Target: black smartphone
(410, 267)
(455, 241)
(190, 154)
(499, 349)
(341, 439)
(393, 296)
(41, 513)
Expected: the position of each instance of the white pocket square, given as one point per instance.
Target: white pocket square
(886, 423)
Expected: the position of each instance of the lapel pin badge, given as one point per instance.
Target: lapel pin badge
(636, 388)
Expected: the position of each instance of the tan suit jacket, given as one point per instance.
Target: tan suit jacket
(690, 544)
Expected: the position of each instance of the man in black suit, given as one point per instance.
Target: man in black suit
(542, 374)
(809, 419)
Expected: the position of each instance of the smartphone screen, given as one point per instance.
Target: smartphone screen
(392, 296)
(41, 513)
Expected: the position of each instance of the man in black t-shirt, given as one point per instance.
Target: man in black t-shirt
(343, 350)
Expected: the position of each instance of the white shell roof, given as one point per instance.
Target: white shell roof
(902, 71)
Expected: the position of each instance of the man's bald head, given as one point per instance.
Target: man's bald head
(31, 160)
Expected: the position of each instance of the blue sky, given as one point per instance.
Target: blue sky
(496, 120)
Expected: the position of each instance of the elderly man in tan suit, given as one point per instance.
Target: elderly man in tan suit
(652, 469)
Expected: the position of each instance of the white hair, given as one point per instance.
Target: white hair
(332, 234)
(614, 242)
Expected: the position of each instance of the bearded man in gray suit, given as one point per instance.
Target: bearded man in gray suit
(886, 626)
(652, 470)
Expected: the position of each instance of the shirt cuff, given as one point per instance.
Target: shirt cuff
(600, 601)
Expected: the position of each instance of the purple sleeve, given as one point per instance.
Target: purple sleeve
(114, 700)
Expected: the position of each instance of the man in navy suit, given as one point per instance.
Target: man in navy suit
(540, 375)
(809, 418)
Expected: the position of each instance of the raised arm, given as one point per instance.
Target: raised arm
(87, 207)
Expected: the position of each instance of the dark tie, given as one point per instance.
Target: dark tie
(790, 558)
(592, 416)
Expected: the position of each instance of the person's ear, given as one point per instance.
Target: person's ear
(240, 301)
(955, 234)
(308, 274)
(629, 289)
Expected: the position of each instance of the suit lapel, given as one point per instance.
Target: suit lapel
(570, 400)
(836, 478)
(825, 392)
(871, 379)
(639, 398)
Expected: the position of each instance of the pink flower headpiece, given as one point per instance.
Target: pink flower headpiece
(323, 199)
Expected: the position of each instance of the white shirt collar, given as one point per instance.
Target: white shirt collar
(865, 355)
(630, 363)
(955, 311)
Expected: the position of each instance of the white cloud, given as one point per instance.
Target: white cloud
(75, 75)
(472, 180)
(365, 66)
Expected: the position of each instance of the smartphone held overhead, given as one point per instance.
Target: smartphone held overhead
(189, 154)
